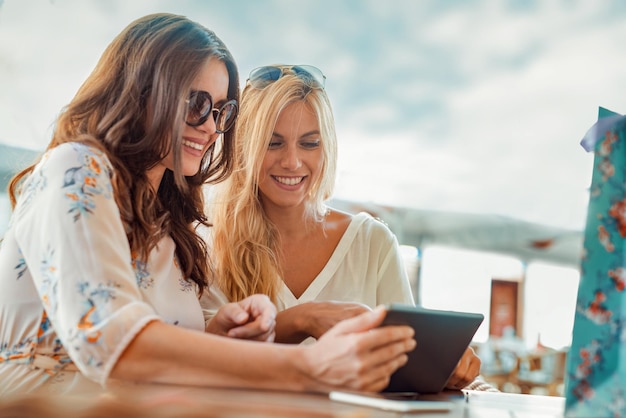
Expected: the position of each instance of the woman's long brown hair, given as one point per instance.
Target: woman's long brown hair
(150, 65)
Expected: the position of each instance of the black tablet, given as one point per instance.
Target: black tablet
(442, 337)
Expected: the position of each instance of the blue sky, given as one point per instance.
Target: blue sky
(466, 106)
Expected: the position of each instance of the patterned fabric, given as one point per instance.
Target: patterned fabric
(596, 372)
(72, 296)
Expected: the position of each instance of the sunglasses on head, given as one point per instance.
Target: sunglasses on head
(261, 77)
(200, 107)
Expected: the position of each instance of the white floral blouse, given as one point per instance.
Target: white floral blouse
(72, 296)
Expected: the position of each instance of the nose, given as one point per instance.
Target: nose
(209, 126)
(290, 159)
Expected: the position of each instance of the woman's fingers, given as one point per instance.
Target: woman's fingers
(258, 330)
(393, 350)
(359, 323)
(251, 318)
(380, 376)
(323, 316)
(261, 310)
(466, 370)
(358, 354)
(227, 317)
(260, 313)
(368, 338)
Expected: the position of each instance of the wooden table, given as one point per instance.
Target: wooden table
(157, 401)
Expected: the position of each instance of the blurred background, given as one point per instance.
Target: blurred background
(459, 124)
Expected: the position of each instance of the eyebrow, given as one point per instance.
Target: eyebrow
(215, 102)
(222, 101)
(304, 135)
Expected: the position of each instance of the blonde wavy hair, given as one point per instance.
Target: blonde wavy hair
(246, 244)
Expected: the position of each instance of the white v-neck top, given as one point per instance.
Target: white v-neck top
(366, 267)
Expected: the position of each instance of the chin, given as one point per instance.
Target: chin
(191, 171)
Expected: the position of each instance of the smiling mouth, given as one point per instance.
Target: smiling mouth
(193, 145)
(289, 181)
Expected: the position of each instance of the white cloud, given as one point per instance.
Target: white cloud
(466, 106)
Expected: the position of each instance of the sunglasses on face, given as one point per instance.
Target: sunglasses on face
(261, 77)
(200, 107)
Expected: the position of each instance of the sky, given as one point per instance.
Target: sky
(467, 106)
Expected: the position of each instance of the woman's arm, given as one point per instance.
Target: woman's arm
(355, 355)
(313, 319)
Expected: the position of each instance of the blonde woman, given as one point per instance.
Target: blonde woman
(273, 233)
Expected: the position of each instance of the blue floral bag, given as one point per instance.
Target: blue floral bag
(596, 364)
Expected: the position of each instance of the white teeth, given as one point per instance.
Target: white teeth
(289, 181)
(193, 145)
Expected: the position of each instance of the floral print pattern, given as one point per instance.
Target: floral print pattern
(81, 185)
(72, 291)
(595, 383)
